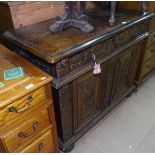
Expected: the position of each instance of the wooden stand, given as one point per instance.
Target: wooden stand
(71, 18)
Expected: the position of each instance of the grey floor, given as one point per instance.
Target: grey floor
(130, 127)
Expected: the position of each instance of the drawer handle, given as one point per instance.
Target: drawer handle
(40, 146)
(13, 109)
(22, 134)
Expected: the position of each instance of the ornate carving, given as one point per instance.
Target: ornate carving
(88, 97)
(100, 50)
(35, 60)
(135, 57)
(106, 47)
(122, 70)
(62, 67)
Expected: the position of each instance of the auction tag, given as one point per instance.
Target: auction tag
(13, 73)
(1, 85)
(97, 69)
(29, 86)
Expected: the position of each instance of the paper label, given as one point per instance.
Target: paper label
(29, 86)
(13, 73)
(97, 69)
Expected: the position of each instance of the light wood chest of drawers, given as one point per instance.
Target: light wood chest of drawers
(27, 122)
(149, 56)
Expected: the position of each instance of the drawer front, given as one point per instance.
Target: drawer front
(148, 66)
(44, 144)
(22, 105)
(25, 132)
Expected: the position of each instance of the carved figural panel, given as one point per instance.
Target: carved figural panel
(86, 98)
(121, 73)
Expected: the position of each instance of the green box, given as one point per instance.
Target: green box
(13, 73)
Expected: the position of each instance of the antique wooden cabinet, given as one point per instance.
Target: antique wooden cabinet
(27, 121)
(82, 98)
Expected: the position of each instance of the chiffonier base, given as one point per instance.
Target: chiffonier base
(80, 98)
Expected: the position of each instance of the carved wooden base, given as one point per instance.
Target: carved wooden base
(71, 18)
(65, 149)
(68, 149)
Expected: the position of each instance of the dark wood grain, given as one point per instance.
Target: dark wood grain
(81, 98)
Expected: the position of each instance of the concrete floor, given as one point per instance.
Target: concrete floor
(130, 127)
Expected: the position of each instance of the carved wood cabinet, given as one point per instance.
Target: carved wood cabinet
(82, 98)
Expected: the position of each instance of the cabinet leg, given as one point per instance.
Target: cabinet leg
(136, 90)
(129, 94)
(68, 149)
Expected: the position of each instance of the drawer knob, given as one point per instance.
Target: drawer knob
(40, 146)
(22, 134)
(13, 109)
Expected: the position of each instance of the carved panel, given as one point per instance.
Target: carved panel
(106, 47)
(62, 67)
(121, 73)
(87, 99)
(110, 74)
(135, 59)
(47, 67)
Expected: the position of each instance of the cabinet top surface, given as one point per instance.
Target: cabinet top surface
(53, 47)
(13, 89)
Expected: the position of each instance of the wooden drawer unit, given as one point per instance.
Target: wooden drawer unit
(82, 98)
(26, 131)
(23, 105)
(26, 107)
(42, 144)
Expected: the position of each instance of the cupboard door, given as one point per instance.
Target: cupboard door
(88, 91)
(121, 75)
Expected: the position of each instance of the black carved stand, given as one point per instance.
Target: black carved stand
(71, 18)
